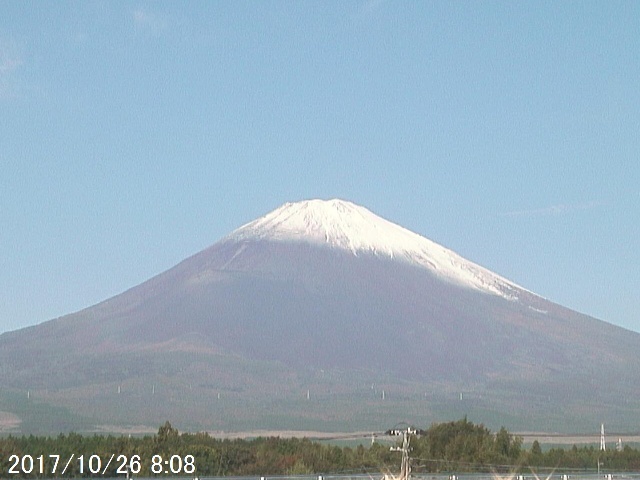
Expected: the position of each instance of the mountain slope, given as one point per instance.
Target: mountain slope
(325, 297)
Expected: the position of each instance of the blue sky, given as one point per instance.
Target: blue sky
(134, 134)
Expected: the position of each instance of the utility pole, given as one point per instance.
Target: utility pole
(603, 445)
(405, 466)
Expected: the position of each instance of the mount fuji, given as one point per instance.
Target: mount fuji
(320, 315)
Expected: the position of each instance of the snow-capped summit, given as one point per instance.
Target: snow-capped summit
(345, 225)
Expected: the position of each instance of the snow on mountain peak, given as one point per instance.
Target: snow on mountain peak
(341, 224)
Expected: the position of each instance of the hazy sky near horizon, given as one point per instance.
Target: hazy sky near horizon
(134, 134)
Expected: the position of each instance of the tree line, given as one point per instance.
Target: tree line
(453, 447)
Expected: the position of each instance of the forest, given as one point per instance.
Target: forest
(452, 447)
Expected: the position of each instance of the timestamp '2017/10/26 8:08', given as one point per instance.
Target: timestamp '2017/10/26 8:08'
(94, 464)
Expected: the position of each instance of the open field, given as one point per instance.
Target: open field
(8, 421)
(564, 439)
(544, 438)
